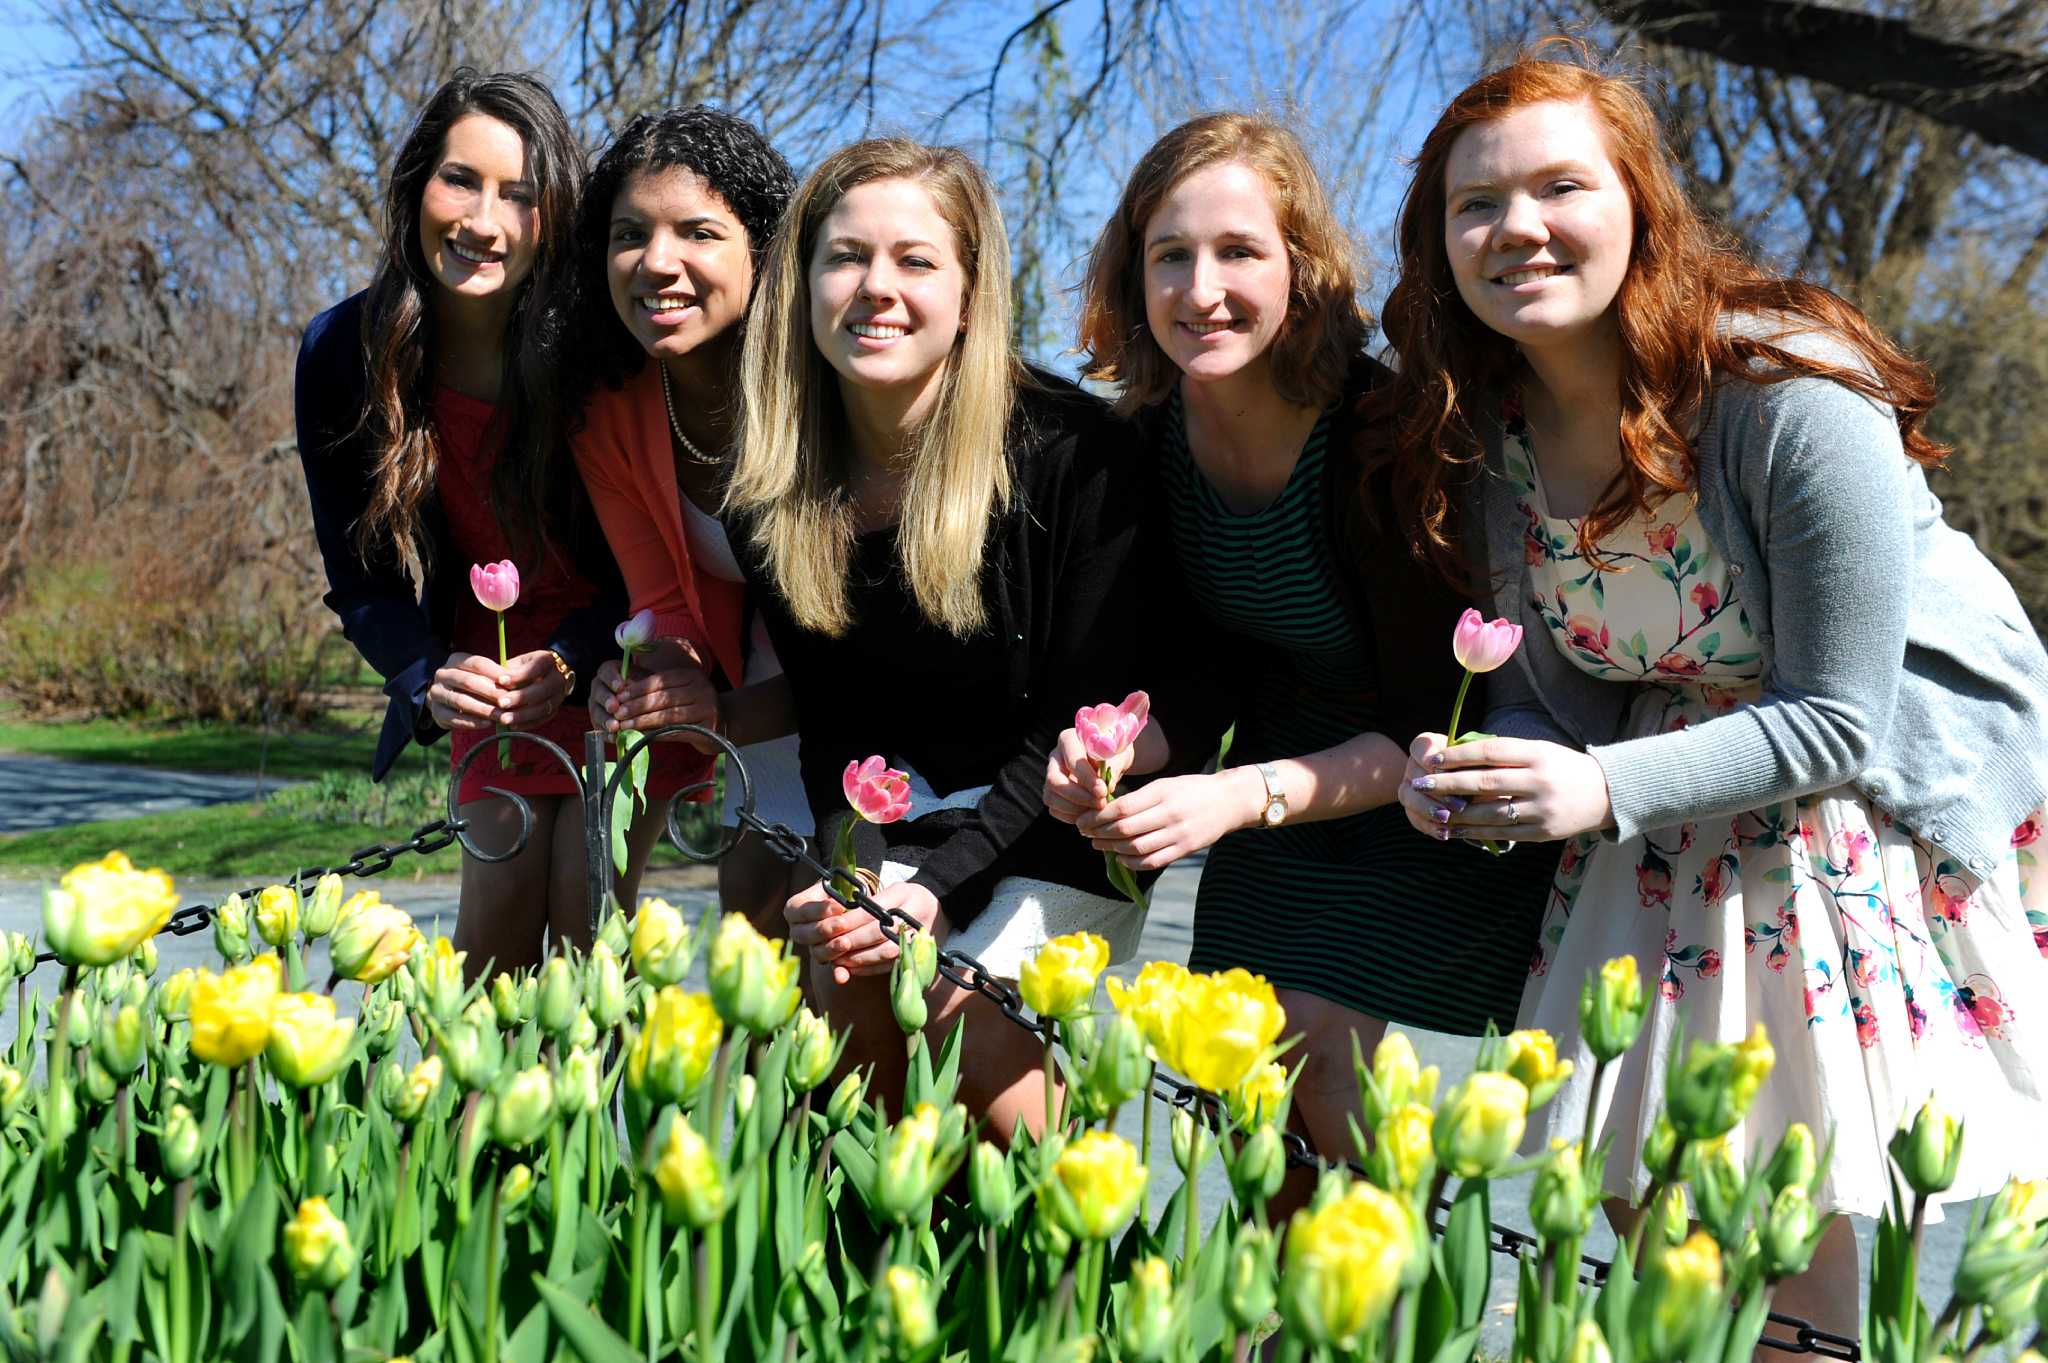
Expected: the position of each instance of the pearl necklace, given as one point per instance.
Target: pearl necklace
(668, 400)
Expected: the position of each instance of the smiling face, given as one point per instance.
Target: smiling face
(677, 262)
(478, 225)
(1217, 275)
(1538, 224)
(888, 290)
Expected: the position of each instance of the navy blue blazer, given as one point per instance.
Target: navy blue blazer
(402, 636)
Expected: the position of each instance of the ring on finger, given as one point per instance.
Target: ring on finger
(1513, 814)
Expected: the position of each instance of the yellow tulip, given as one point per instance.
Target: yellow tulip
(174, 995)
(1344, 1265)
(421, 1083)
(277, 914)
(1259, 1097)
(322, 908)
(317, 1245)
(1532, 1059)
(912, 1321)
(1396, 1078)
(673, 1052)
(525, 1104)
(1098, 1179)
(1058, 981)
(1151, 1000)
(307, 1042)
(660, 943)
(437, 978)
(1147, 1328)
(1560, 1206)
(373, 939)
(1404, 1156)
(231, 1011)
(1611, 1008)
(103, 910)
(693, 1188)
(753, 979)
(1225, 1024)
(1929, 1148)
(1754, 1060)
(1481, 1123)
(1681, 1289)
(813, 1053)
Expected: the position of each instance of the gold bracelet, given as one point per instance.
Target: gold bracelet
(568, 675)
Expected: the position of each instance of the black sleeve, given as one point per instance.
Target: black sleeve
(1086, 617)
(372, 597)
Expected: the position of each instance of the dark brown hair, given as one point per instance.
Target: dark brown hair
(1325, 325)
(1684, 276)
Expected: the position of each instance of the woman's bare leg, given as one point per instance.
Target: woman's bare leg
(505, 904)
(1326, 1094)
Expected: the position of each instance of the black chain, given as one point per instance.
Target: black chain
(368, 861)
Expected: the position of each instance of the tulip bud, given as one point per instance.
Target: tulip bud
(1715, 1083)
(145, 957)
(1795, 1163)
(405, 1093)
(512, 1001)
(813, 1052)
(912, 1320)
(1929, 1149)
(560, 997)
(1679, 1294)
(991, 1188)
(174, 996)
(12, 1087)
(182, 1146)
(372, 940)
(436, 975)
(231, 1012)
(923, 950)
(1248, 1287)
(660, 943)
(675, 1049)
(692, 1186)
(118, 1042)
(1531, 1057)
(582, 1083)
(1120, 1066)
(102, 910)
(1403, 1154)
(231, 929)
(1788, 1238)
(907, 1169)
(277, 914)
(1147, 1316)
(1191, 1141)
(1260, 1164)
(322, 907)
(516, 1187)
(753, 980)
(60, 1114)
(906, 995)
(604, 987)
(1719, 1187)
(100, 1086)
(744, 1091)
(1996, 1260)
(1589, 1345)
(381, 1024)
(21, 951)
(615, 934)
(524, 1107)
(846, 1100)
(1396, 1078)
(1480, 1124)
(1660, 1148)
(474, 1047)
(1612, 1008)
(308, 1043)
(583, 1031)
(1262, 1097)
(317, 1245)
(1095, 1184)
(1560, 1204)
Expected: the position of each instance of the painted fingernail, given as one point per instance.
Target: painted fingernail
(1441, 815)
(1436, 759)
(1455, 803)
(1443, 835)
(1423, 783)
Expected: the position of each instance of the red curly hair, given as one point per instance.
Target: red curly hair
(1683, 276)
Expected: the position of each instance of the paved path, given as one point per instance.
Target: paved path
(1167, 937)
(44, 792)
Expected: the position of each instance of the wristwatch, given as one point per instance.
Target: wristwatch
(1275, 812)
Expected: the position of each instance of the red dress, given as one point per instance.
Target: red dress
(547, 592)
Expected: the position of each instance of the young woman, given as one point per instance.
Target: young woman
(946, 542)
(1788, 723)
(1221, 299)
(675, 219)
(429, 431)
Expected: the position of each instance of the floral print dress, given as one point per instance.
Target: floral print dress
(1881, 969)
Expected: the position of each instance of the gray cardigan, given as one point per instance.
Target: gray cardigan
(1895, 657)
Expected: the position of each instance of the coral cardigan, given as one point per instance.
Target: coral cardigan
(629, 468)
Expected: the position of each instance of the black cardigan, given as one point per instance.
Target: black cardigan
(404, 638)
(1059, 587)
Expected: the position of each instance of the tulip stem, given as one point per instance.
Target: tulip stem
(1592, 1109)
(1052, 1087)
(1191, 1231)
(465, 1162)
(1658, 1184)
(709, 1271)
(1919, 1224)
(505, 744)
(636, 1317)
(181, 1273)
(1145, 1144)
(492, 1249)
(1457, 706)
(991, 1293)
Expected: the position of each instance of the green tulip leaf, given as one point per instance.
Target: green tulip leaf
(591, 1338)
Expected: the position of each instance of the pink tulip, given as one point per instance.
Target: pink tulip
(1107, 730)
(878, 792)
(633, 635)
(1482, 645)
(496, 584)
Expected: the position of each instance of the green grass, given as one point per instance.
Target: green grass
(220, 842)
(340, 744)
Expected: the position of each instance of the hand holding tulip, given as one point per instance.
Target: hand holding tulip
(668, 685)
(850, 940)
(472, 691)
(1503, 787)
(497, 589)
(1108, 733)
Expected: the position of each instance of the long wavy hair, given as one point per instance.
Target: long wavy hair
(794, 470)
(733, 158)
(1325, 324)
(398, 327)
(1684, 277)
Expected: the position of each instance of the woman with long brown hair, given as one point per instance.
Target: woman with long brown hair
(430, 428)
(1789, 726)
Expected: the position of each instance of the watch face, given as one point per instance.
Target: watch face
(1276, 810)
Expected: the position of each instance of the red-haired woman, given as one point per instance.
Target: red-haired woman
(1786, 720)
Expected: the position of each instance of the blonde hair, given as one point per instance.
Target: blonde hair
(792, 470)
(1325, 325)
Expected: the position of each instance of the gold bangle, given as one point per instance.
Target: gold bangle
(568, 674)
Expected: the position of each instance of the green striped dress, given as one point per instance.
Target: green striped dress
(1363, 911)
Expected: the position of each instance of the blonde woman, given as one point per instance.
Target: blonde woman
(945, 542)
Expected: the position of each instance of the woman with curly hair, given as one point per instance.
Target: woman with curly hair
(430, 431)
(1791, 728)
